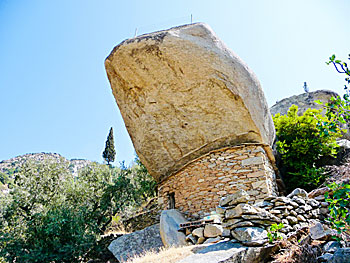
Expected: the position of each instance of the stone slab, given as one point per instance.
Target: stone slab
(170, 221)
(227, 251)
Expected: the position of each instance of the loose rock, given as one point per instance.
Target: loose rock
(136, 243)
(239, 210)
(240, 196)
(198, 232)
(249, 234)
(298, 192)
(331, 246)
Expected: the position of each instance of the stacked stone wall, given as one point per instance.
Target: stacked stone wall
(295, 212)
(248, 224)
(200, 185)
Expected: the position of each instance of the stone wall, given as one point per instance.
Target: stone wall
(198, 187)
(141, 220)
(248, 223)
(294, 211)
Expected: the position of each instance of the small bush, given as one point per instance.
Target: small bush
(301, 145)
(273, 233)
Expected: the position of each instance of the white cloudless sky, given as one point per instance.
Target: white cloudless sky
(54, 92)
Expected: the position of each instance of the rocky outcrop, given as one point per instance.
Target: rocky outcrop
(303, 101)
(182, 93)
(136, 243)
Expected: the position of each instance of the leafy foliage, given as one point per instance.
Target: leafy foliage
(109, 152)
(51, 216)
(338, 110)
(4, 179)
(273, 233)
(341, 67)
(301, 145)
(145, 184)
(339, 208)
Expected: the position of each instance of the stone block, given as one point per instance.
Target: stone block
(298, 192)
(259, 184)
(212, 240)
(198, 232)
(240, 196)
(212, 230)
(249, 234)
(253, 161)
(239, 210)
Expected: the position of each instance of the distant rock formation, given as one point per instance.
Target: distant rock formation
(303, 101)
(182, 93)
(11, 165)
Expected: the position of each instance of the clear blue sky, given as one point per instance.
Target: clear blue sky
(55, 96)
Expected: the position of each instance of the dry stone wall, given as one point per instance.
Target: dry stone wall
(239, 220)
(200, 185)
(294, 211)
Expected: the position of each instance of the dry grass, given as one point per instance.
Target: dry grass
(165, 255)
(116, 230)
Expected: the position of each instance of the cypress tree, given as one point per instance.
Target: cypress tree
(109, 152)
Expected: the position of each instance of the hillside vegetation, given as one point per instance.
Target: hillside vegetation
(51, 215)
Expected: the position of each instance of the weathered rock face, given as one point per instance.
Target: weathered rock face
(303, 101)
(183, 93)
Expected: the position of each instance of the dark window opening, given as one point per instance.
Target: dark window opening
(171, 200)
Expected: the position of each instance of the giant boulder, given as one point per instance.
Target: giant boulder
(183, 93)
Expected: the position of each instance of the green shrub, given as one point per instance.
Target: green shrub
(339, 208)
(146, 186)
(338, 109)
(273, 233)
(301, 145)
